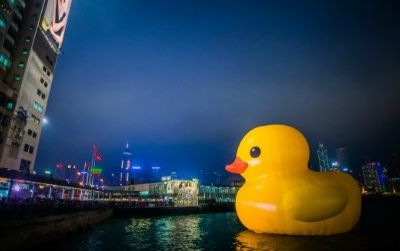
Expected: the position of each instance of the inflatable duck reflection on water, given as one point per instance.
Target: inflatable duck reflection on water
(282, 196)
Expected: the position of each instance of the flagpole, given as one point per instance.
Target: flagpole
(83, 173)
(87, 176)
(93, 166)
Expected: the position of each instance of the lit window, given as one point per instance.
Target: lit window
(37, 107)
(4, 60)
(35, 119)
(24, 52)
(28, 39)
(10, 105)
(21, 65)
(17, 77)
(2, 23)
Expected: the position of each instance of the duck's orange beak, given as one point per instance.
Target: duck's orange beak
(238, 166)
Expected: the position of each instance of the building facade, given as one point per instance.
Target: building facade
(374, 177)
(30, 42)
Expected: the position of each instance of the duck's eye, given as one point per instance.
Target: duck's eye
(255, 151)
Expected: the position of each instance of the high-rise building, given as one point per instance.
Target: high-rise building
(31, 35)
(323, 158)
(124, 176)
(59, 172)
(342, 160)
(137, 174)
(71, 173)
(374, 177)
(155, 174)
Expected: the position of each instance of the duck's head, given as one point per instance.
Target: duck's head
(272, 149)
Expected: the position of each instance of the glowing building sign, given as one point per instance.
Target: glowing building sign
(55, 19)
(95, 170)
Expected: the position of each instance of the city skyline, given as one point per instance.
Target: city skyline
(199, 125)
(187, 81)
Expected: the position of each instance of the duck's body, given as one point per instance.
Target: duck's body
(287, 197)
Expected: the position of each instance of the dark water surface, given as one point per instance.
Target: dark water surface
(219, 231)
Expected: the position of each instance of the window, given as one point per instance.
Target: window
(48, 73)
(24, 166)
(28, 148)
(37, 107)
(34, 134)
(4, 119)
(41, 80)
(45, 84)
(24, 52)
(2, 23)
(17, 77)
(32, 27)
(30, 132)
(28, 39)
(43, 96)
(39, 92)
(4, 60)
(21, 65)
(10, 105)
(44, 68)
(35, 119)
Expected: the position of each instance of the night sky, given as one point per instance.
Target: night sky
(183, 81)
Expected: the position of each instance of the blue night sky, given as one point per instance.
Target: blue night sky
(182, 81)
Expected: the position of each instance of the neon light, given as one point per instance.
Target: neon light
(17, 188)
(95, 170)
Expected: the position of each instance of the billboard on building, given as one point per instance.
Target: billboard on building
(184, 192)
(54, 20)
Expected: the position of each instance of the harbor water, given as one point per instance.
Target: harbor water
(217, 231)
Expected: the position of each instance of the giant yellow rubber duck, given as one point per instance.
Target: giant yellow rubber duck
(281, 195)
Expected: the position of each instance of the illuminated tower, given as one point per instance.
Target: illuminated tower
(31, 35)
(323, 158)
(124, 178)
(342, 160)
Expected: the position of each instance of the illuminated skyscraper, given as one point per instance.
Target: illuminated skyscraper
(342, 160)
(374, 177)
(124, 178)
(323, 158)
(31, 35)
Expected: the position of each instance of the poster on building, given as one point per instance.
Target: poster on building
(54, 20)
